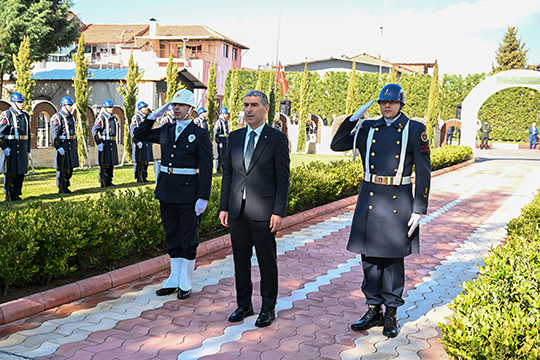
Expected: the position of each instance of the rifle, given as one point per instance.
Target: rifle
(102, 167)
(62, 178)
(139, 163)
(8, 185)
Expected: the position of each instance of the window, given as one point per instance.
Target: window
(225, 50)
(43, 136)
(234, 54)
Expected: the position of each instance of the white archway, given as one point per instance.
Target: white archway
(488, 87)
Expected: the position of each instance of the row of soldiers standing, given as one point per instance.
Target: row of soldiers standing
(15, 140)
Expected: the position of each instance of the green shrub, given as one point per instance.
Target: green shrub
(449, 155)
(498, 315)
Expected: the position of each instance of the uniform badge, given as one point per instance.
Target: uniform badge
(191, 138)
(55, 122)
(424, 137)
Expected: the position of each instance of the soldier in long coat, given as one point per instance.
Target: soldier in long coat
(389, 208)
(104, 131)
(142, 150)
(15, 146)
(64, 136)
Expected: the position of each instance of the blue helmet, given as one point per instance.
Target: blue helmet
(16, 97)
(141, 104)
(66, 100)
(107, 104)
(201, 110)
(224, 110)
(392, 92)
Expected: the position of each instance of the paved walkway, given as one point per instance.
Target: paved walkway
(319, 294)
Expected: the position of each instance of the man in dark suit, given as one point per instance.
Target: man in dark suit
(183, 186)
(385, 223)
(254, 192)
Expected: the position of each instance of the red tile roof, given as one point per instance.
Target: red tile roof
(112, 33)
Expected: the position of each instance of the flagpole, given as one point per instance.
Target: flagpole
(277, 44)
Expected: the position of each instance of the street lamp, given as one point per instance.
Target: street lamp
(380, 55)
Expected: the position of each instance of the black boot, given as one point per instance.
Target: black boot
(373, 317)
(390, 322)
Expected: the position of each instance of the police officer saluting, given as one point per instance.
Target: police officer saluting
(104, 131)
(183, 186)
(221, 135)
(63, 133)
(15, 145)
(142, 150)
(385, 224)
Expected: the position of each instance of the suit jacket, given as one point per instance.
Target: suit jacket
(192, 150)
(266, 180)
(380, 222)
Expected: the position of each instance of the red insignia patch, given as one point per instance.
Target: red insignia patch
(3, 122)
(424, 136)
(424, 148)
(134, 122)
(55, 122)
(98, 123)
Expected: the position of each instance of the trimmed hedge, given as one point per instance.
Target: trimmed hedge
(449, 155)
(48, 240)
(498, 315)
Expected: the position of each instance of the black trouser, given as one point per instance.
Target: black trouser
(384, 280)
(181, 225)
(106, 170)
(141, 166)
(16, 184)
(68, 173)
(246, 233)
(221, 143)
(484, 143)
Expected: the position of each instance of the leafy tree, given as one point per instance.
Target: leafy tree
(511, 53)
(272, 106)
(43, 21)
(259, 81)
(80, 83)
(172, 74)
(211, 97)
(433, 102)
(392, 79)
(303, 113)
(23, 66)
(351, 92)
(129, 92)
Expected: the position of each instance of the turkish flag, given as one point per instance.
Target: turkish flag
(283, 84)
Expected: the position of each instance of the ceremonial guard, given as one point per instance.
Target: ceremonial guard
(104, 131)
(63, 133)
(142, 150)
(15, 145)
(201, 120)
(183, 186)
(389, 208)
(221, 136)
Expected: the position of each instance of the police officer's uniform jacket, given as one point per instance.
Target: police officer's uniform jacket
(221, 128)
(64, 135)
(15, 134)
(387, 197)
(146, 153)
(104, 131)
(186, 163)
(201, 121)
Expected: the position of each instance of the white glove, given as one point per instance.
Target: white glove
(139, 145)
(413, 223)
(159, 111)
(100, 147)
(200, 206)
(358, 114)
(7, 151)
(61, 151)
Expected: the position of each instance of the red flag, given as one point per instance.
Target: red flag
(283, 84)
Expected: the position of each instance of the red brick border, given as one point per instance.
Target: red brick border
(33, 304)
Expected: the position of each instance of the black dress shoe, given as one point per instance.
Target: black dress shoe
(166, 291)
(265, 318)
(373, 317)
(390, 322)
(16, 198)
(183, 294)
(67, 191)
(110, 184)
(240, 313)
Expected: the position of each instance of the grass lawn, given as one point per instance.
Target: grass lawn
(84, 183)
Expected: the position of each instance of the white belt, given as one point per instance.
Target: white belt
(178, 171)
(17, 137)
(389, 180)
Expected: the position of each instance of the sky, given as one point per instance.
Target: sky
(462, 36)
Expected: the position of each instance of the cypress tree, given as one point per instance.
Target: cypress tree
(303, 113)
(129, 92)
(211, 97)
(392, 78)
(259, 81)
(511, 53)
(80, 83)
(433, 102)
(351, 93)
(23, 66)
(172, 74)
